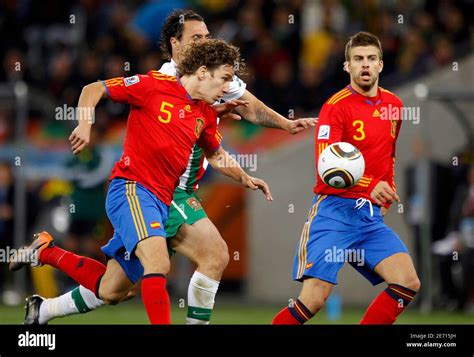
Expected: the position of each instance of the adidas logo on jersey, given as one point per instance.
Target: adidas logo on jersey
(376, 113)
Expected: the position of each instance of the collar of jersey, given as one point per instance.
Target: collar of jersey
(184, 89)
(369, 100)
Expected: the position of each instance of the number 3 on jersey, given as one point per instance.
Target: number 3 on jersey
(359, 124)
(165, 111)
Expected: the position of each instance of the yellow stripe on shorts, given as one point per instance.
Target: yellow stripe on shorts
(302, 251)
(133, 210)
(140, 213)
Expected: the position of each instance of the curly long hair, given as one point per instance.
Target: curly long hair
(211, 53)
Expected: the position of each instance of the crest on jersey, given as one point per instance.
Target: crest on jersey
(194, 203)
(199, 127)
(131, 80)
(394, 129)
(324, 131)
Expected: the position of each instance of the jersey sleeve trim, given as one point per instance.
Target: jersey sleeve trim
(218, 136)
(106, 89)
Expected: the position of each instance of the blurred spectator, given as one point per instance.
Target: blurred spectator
(311, 84)
(466, 229)
(459, 245)
(316, 48)
(443, 53)
(250, 29)
(427, 201)
(5, 124)
(282, 91)
(6, 217)
(14, 66)
(267, 56)
(90, 68)
(414, 54)
(91, 169)
(454, 25)
(285, 30)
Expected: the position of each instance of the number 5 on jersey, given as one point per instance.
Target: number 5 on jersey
(167, 114)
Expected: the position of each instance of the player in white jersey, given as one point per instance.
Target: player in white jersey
(193, 234)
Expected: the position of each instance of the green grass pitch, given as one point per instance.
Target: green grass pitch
(133, 312)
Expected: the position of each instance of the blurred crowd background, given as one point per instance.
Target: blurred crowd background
(291, 47)
(294, 52)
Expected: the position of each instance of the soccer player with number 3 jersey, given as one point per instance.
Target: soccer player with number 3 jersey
(368, 117)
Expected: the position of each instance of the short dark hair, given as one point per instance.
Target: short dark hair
(173, 27)
(211, 53)
(363, 39)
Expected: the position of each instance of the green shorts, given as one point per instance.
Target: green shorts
(185, 208)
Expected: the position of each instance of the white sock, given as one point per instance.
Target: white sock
(201, 293)
(79, 300)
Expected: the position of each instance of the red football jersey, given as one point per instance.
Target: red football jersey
(163, 125)
(371, 125)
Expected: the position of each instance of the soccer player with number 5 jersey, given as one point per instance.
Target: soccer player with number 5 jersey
(189, 231)
(168, 116)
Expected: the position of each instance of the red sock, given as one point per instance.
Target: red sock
(294, 314)
(156, 299)
(85, 271)
(386, 307)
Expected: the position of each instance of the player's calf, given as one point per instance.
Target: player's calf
(403, 284)
(153, 255)
(386, 307)
(312, 298)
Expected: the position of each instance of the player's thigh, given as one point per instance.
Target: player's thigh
(153, 255)
(201, 241)
(114, 285)
(314, 293)
(399, 269)
(323, 241)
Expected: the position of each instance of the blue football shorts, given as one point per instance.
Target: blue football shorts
(340, 230)
(136, 214)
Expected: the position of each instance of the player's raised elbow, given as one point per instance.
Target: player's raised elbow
(95, 89)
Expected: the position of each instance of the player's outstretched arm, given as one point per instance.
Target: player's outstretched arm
(258, 113)
(224, 110)
(90, 96)
(225, 164)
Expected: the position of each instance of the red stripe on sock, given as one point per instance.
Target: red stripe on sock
(85, 271)
(156, 300)
(384, 310)
(284, 317)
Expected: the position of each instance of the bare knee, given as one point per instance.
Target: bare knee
(215, 259)
(317, 303)
(413, 284)
(156, 266)
(153, 255)
(410, 282)
(314, 294)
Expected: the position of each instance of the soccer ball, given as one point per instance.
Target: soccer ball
(341, 165)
